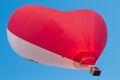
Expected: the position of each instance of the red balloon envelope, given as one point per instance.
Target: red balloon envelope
(73, 39)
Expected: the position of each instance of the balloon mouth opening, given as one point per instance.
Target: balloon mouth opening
(88, 61)
(86, 58)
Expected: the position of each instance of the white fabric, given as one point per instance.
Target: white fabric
(40, 55)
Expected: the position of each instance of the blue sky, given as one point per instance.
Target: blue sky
(14, 67)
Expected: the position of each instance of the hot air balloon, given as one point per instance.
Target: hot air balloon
(72, 39)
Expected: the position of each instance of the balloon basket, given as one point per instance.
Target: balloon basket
(95, 71)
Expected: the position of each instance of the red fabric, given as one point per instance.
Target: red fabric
(65, 33)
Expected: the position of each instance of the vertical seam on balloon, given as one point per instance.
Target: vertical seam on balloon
(83, 41)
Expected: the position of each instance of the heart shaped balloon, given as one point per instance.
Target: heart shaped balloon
(73, 39)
